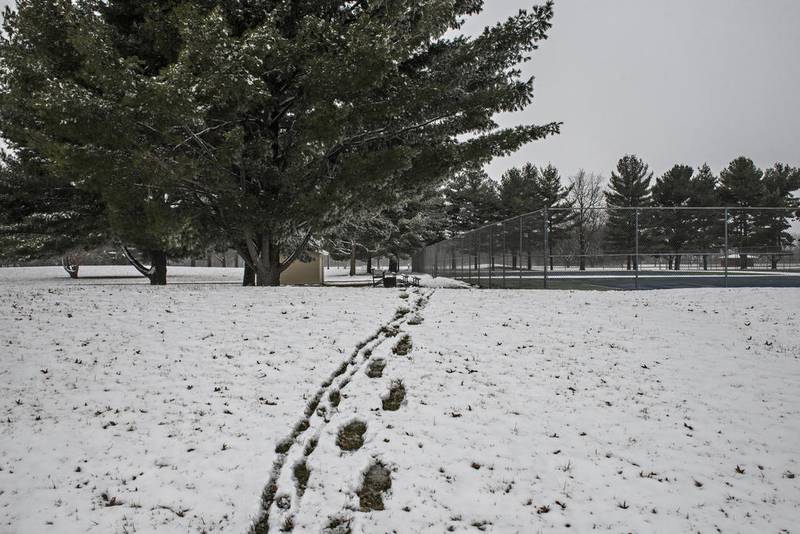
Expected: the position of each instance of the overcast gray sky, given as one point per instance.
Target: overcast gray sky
(674, 81)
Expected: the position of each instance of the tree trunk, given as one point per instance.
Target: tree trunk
(393, 267)
(157, 272)
(514, 262)
(263, 254)
(249, 278)
(208, 260)
(669, 263)
(705, 262)
(71, 266)
(677, 262)
(628, 266)
(369, 264)
(530, 261)
(742, 262)
(774, 260)
(582, 247)
(269, 266)
(352, 258)
(193, 262)
(158, 265)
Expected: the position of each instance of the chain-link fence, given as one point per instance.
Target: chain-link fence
(624, 248)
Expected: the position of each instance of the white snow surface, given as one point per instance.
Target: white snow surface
(128, 408)
(532, 411)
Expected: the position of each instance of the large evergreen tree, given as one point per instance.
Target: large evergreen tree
(740, 186)
(556, 197)
(471, 200)
(629, 187)
(671, 229)
(779, 183)
(706, 225)
(282, 118)
(520, 191)
(43, 216)
(81, 87)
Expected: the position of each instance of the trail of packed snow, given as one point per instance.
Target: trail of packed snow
(127, 408)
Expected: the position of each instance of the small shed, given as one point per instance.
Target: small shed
(307, 270)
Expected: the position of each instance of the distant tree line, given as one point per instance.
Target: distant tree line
(472, 200)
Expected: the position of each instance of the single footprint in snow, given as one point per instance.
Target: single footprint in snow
(351, 436)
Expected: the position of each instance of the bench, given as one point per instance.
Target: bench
(383, 278)
(410, 280)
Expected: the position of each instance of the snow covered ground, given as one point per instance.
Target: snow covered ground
(127, 408)
(135, 409)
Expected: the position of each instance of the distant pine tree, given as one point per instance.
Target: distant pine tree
(779, 182)
(471, 200)
(706, 226)
(556, 197)
(671, 229)
(740, 185)
(520, 191)
(629, 187)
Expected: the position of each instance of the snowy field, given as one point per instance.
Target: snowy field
(129, 409)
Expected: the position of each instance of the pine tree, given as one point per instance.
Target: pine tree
(706, 225)
(520, 191)
(629, 187)
(779, 182)
(671, 229)
(519, 195)
(80, 87)
(471, 200)
(43, 216)
(556, 198)
(275, 120)
(740, 185)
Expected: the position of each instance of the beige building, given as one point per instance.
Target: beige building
(307, 270)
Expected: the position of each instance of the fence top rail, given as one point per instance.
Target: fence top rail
(686, 208)
(792, 210)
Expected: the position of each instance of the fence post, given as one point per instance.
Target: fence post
(491, 255)
(478, 255)
(636, 267)
(504, 255)
(546, 247)
(726, 247)
(519, 253)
